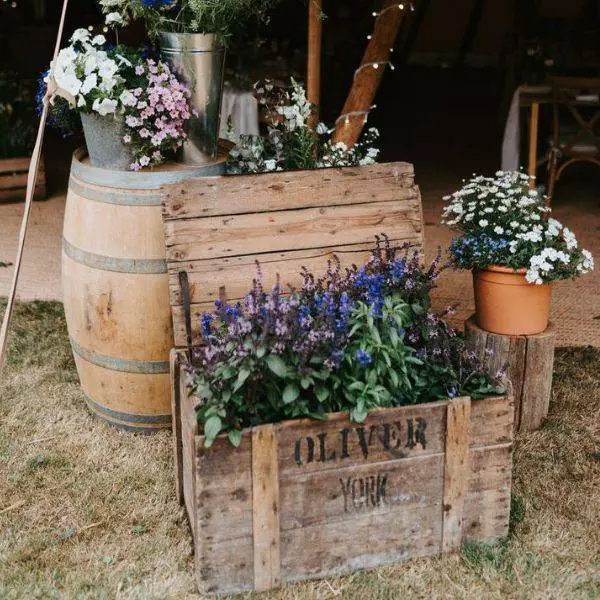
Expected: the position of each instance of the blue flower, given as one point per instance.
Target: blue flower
(364, 358)
(206, 320)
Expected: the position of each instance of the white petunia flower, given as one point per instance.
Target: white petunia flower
(105, 106)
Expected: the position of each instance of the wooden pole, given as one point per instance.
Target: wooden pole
(313, 71)
(31, 181)
(367, 77)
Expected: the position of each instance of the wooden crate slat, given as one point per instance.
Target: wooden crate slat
(265, 509)
(278, 191)
(13, 179)
(487, 503)
(235, 274)
(14, 165)
(336, 444)
(365, 542)
(343, 494)
(289, 230)
(491, 421)
(456, 471)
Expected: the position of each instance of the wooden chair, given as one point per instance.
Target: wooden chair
(576, 125)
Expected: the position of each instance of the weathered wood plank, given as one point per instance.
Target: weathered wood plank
(14, 165)
(455, 471)
(491, 421)
(308, 446)
(363, 542)
(212, 196)
(537, 381)
(487, 503)
(298, 229)
(266, 508)
(175, 358)
(236, 273)
(346, 493)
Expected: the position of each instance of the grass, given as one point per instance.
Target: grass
(90, 512)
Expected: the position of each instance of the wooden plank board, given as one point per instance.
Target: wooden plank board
(455, 471)
(306, 446)
(266, 508)
(487, 503)
(175, 358)
(214, 196)
(235, 274)
(15, 165)
(298, 229)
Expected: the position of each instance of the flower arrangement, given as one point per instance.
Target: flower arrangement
(290, 143)
(504, 223)
(186, 16)
(351, 340)
(126, 84)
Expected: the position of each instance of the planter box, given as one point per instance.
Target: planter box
(311, 499)
(217, 227)
(13, 179)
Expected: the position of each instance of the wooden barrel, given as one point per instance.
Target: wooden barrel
(116, 292)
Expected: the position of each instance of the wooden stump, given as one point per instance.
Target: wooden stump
(528, 362)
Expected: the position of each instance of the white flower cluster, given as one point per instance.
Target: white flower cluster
(290, 143)
(502, 201)
(567, 257)
(85, 75)
(115, 11)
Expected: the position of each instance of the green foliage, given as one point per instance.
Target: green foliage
(222, 17)
(17, 117)
(378, 370)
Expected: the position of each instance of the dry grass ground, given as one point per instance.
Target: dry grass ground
(90, 512)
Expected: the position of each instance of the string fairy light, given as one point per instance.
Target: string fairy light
(355, 113)
(400, 6)
(375, 64)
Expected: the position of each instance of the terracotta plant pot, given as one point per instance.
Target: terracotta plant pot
(507, 304)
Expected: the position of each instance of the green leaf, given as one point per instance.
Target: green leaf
(241, 378)
(261, 351)
(277, 365)
(235, 437)
(322, 394)
(212, 428)
(417, 309)
(290, 393)
(305, 383)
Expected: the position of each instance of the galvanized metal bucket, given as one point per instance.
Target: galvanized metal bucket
(103, 138)
(199, 59)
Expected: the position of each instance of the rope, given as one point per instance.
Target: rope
(31, 181)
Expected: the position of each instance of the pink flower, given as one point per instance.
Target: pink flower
(144, 133)
(137, 92)
(127, 139)
(139, 70)
(144, 161)
(135, 166)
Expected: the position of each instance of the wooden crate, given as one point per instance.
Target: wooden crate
(309, 499)
(217, 227)
(13, 179)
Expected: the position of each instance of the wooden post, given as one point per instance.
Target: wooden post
(456, 472)
(368, 76)
(313, 71)
(533, 143)
(265, 509)
(528, 362)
